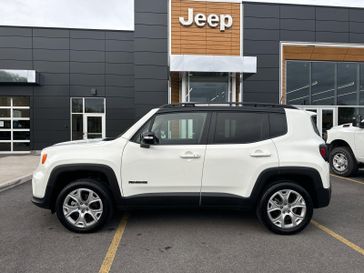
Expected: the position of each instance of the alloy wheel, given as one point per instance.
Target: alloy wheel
(286, 209)
(82, 207)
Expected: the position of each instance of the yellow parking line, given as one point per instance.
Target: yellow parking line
(339, 237)
(349, 179)
(111, 252)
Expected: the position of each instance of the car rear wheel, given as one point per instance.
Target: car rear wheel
(342, 161)
(84, 206)
(285, 208)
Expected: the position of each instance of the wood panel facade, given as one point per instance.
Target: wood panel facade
(204, 40)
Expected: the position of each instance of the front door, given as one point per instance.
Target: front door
(93, 126)
(170, 171)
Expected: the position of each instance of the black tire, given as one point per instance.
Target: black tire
(352, 166)
(103, 194)
(262, 208)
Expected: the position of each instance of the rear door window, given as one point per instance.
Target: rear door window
(240, 127)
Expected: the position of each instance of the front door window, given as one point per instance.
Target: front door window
(88, 118)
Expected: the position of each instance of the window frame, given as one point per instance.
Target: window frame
(204, 134)
(212, 131)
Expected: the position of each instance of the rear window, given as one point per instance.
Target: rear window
(241, 127)
(314, 124)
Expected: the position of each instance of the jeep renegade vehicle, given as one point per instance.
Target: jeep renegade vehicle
(346, 144)
(265, 157)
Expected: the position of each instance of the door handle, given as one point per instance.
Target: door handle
(189, 155)
(260, 153)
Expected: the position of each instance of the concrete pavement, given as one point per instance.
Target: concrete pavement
(15, 169)
(33, 240)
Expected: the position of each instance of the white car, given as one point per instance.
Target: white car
(263, 157)
(346, 144)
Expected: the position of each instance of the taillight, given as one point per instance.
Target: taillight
(324, 152)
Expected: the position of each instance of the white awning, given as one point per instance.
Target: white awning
(202, 63)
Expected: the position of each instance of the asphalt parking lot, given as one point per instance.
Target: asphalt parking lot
(32, 239)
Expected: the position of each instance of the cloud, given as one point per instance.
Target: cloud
(88, 14)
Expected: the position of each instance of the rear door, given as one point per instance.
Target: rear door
(239, 149)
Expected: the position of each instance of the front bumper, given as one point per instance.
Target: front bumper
(41, 202)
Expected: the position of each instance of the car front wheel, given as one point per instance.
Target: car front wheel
(84, 206)
(285, 208)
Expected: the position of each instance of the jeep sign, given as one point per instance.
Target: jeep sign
(223, 21)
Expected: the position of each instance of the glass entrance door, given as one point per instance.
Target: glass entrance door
(94, 126)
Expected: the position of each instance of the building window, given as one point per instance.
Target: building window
(14, 124)
(88, 118)
(212, 87)
(324, 83)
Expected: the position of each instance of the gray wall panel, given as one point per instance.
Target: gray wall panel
(147, 6)
(119, 69)
(51, 55)
(332, 26)
(51, 33)
(87, 56)
(119, 57)
(151, 18)
(295, 24)
(296, 35)
(261, 34)
(87, 44)
(87, 80)
(116, 45)
(334, 14)
(151, 45)
(259, 10)
(332, 37)
(20, 54)
(356, 15)
(51, 67)
(15, 41)
(51, 43)
(87, 68)
(15, 31)
(15, 64)
(297, 12)
(46, 79)
(258, 22)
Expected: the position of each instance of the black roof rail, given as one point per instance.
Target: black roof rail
(247, 104)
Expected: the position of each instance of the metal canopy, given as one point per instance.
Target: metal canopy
(201, 63)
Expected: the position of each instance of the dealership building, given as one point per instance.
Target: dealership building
(107, 64)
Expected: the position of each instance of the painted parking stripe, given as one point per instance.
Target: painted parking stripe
(111, 252)
(349, 179)
(338, 237)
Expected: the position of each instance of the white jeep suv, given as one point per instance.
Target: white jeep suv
(346, 144)
(263, 157)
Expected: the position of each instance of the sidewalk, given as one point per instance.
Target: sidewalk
(16, 169)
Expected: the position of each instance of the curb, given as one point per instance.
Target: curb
(15, 182)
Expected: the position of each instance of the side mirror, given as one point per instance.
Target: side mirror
(147, 139)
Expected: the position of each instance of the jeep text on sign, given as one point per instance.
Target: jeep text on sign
(205, 28)
(224, 21)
